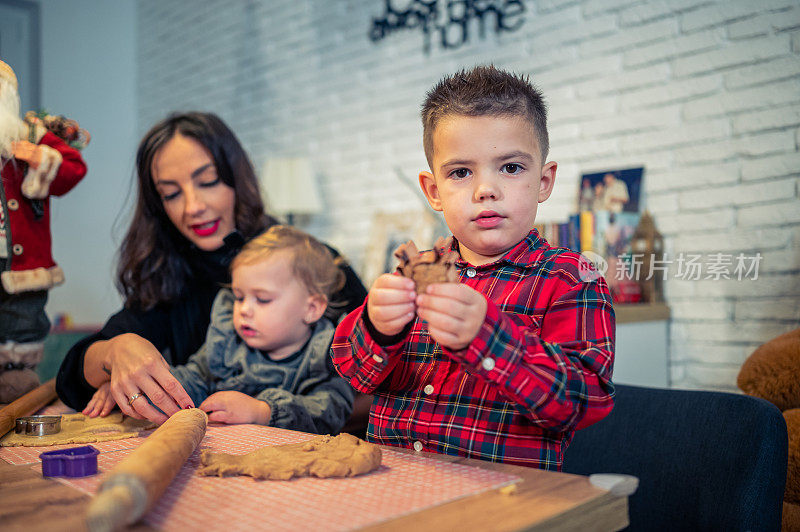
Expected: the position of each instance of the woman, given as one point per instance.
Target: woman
(198, 203)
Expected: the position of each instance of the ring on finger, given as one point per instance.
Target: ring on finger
(133, 398)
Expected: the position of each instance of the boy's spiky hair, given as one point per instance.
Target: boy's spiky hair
(484, 91)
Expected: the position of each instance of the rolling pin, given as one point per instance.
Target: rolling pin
(139, 480)
(27, 405)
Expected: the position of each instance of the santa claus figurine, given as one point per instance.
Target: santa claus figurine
(35, 165)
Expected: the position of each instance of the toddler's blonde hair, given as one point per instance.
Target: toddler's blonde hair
(312, 262)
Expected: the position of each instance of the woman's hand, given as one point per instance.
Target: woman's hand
(138, 375)
(235, 407)
(102, 402)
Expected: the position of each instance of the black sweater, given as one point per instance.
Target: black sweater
(178, 329)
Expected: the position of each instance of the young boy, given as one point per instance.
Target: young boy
(266, 355)
(506, 364)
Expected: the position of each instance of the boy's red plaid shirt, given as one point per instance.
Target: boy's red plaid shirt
(539, 368)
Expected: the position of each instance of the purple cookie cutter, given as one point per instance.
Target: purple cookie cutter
(72, 462)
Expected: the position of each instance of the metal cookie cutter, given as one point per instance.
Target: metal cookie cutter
(38, 425)
(72, 462)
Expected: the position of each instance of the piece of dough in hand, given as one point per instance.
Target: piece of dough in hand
(324, 457)
(428, 267)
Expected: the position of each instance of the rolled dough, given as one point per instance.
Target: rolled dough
(324, 457)
(77, 428)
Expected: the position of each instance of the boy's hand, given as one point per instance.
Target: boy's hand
(454, 313)
(390, 305)
(101, 403)
(235, 407)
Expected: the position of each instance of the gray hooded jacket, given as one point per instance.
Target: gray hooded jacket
(308, 395)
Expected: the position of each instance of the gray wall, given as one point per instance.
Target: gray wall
(89, 74)
(703, 93)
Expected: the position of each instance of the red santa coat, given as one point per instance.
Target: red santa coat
(30, 254)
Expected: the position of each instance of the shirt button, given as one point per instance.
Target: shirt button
(17, 249)
(418, 446)
(488, 364)
(428, 389)
(471, 272)
(377, 358)
(13, 205)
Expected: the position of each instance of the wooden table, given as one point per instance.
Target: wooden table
(542, 501)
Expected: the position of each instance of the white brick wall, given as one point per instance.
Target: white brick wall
(704, 94)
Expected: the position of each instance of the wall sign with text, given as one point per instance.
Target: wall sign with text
(448, 23)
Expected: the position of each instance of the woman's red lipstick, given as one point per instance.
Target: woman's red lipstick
(206, 229)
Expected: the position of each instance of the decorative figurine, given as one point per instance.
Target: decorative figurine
(35, 163)
(648, 243)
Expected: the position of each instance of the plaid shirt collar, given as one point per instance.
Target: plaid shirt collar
(526, 253)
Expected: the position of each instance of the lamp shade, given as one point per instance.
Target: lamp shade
(288, 186)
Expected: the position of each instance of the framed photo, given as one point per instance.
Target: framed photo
(615, 191)
(388, 231)
(613, 232)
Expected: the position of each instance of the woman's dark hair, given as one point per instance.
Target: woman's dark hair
(152, 268)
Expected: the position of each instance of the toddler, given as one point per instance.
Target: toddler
(266, 356)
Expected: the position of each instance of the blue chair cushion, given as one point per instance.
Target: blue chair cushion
(705, 460)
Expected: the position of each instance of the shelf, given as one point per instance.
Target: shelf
(639, 312)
